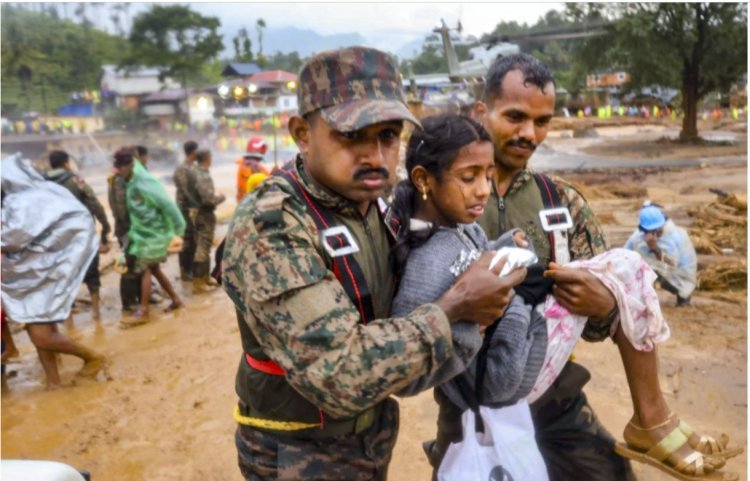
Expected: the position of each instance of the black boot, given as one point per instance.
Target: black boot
(186, 266)
(683, 301)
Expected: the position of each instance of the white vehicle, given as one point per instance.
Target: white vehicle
(24, 470)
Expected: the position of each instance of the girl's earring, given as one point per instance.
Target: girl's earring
(424, 193)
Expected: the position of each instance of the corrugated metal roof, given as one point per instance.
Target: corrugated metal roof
(241, 69)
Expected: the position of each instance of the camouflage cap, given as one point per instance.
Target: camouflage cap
(352, 88)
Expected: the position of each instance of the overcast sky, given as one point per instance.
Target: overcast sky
(382, 24)
(376, 18)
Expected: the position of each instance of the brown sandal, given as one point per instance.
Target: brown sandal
(705, 444)
(694, 467)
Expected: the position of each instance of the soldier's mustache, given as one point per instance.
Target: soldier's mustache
(369, 171)
(522, 143)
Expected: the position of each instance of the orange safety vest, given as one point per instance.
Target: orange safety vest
(244, 171)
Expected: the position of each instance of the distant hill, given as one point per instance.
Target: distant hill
(305, 41)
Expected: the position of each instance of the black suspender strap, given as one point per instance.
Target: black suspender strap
(550, 199)
(345, 267)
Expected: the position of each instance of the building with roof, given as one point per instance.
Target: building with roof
(234, 69)
(188, 105)
(130, 85)
(266, 93)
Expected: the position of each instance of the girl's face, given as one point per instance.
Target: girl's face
(461, 194)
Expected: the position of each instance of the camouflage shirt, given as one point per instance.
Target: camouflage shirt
(184, 199)
(201, 188)
(276, 273)
(117, 194)
(84, 193)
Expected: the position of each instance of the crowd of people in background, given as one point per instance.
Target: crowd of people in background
(148, 223)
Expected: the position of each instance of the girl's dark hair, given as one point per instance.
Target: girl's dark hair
(434, 147)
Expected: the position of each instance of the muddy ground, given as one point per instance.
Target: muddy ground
(165, 414)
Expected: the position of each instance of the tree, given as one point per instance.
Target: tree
(259, 26)
(697, 48)
(261, 59)
(63, 56)
(175, 39)
(290, 62)
(243, 51)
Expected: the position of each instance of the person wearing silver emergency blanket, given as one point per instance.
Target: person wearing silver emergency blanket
(48, 241)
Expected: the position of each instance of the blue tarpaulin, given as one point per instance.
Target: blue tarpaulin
(77, 110)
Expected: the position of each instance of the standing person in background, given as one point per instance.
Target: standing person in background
(187, 205)
(62, 174)
(142, 153)
(48, 241)
(668, 251)
(154, 223)
(250, 164)
(130, 282)
(201, 187)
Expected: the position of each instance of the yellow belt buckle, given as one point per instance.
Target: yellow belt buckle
(364, 421)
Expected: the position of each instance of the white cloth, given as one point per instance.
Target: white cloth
(631, 280)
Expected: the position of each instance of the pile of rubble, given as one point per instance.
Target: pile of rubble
(721, 226)
(723, 276)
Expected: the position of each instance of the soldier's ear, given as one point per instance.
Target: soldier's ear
(479, 111)
(300, 130)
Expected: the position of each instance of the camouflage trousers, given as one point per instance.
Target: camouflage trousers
(205, 225)
(188, 243)
(352, 457)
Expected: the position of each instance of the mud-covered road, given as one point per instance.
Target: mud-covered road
(166, 411)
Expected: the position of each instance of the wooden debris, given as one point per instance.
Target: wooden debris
(720, 225)
(731, 274)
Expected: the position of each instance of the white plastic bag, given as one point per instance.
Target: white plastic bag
(506, 451)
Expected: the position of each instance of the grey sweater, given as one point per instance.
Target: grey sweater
(518, 345)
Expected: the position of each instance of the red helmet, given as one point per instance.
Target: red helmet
(258, 146)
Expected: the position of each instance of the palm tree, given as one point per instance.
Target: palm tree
(260, 25)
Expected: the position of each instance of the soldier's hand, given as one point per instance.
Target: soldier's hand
(480, 295)
(580, 292)
(104, 248)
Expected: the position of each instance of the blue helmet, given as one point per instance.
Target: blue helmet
(651, 218)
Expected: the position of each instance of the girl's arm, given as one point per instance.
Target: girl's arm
(425, 278)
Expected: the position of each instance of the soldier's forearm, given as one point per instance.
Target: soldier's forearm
(346, 367)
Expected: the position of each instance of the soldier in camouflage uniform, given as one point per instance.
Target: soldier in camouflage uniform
(130, 282)
(61, 174)
(188, 206)
(201, 188)
(518, 104)
(320, 358)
